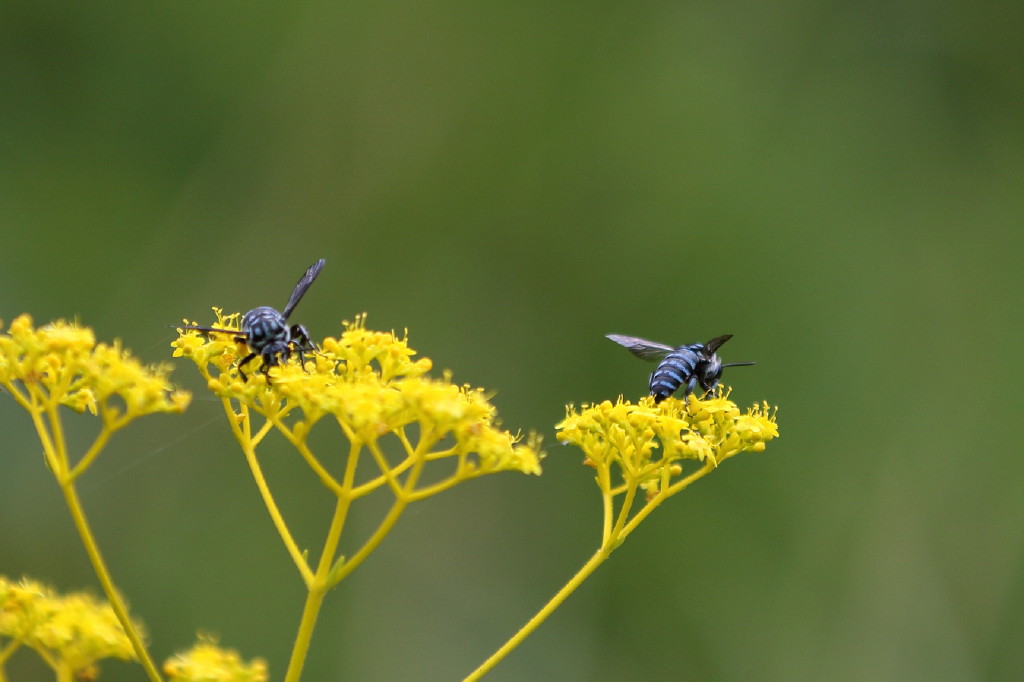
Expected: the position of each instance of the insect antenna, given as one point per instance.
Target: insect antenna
(192, 327)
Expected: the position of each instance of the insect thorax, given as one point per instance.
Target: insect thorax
(264, 326)
(711, 372)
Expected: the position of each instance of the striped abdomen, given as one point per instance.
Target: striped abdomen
(677, 369)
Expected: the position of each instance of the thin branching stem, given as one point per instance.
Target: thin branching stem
(317, 591)
(585, 572)
(100, 568)
(242, 433)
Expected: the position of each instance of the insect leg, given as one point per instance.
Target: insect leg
(248, 358)
(272, 357)
(300, 337)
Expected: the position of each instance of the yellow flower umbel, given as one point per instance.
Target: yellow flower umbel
(657, 448)
(70, 633)
(644, 445)
(419, 435)
(207, 662)
(60, 364)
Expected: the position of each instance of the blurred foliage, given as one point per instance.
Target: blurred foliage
(837, 184)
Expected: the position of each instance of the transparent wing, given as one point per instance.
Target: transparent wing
(303, 286)
(642, 348)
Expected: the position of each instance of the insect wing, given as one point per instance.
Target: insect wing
(302, 286)
(716, 343)
(642, 348)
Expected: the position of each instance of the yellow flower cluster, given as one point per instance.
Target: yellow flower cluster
(372, 385)
(61, 364)
(70, 632)
(206, 662)
(647, 441)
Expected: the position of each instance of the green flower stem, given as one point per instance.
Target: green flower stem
(331, 571)
(403, 495)
(51, 436)
(607, 501)
(53, 459)
(5, 653)
(65, 673)
(549, 608)
(317, 591)
(59, 447)
(340, 572)
(299, 443)
(627, 506)
(663, 495)
(244, 438)
(612, 539)
(100, 567)
(111, 425)
(47, 656)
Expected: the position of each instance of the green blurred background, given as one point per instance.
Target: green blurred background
(838, 184)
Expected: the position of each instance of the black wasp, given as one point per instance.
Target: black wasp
(689, 366)
(266, 332)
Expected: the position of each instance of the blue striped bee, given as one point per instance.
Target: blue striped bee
(690, 366)
(266, 332)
